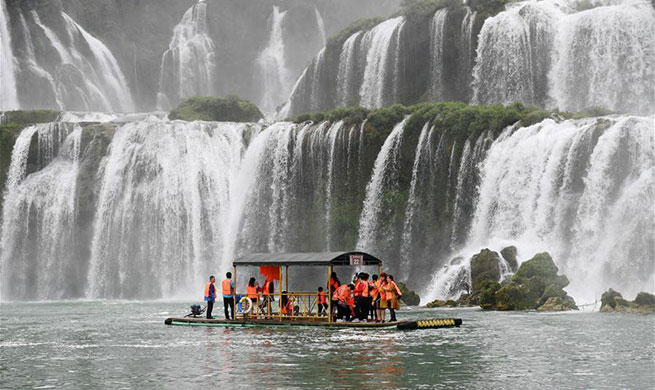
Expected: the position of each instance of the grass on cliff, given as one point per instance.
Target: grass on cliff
(224, 109)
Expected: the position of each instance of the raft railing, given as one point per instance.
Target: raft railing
(306, 302)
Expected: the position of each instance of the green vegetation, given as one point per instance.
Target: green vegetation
(358, 25)
(425, 8)
(225, 109)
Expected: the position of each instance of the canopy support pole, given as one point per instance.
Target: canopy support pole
(329, 311)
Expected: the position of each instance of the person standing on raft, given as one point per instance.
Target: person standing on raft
(210, 296)
(228, 295)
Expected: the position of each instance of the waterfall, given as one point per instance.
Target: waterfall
(315, 98)
(382, 54)
(8, 97)
(87, 84)
(547, 54)
(579, 189)
(467, 50)
(272, 64)
(513, 54)
(38, 222)
(111, 77)
(605, 57)
(383, 179)
(347, 73)
(321, 27)
(187, 67)
(163, 198)
(437, 35)
(35, 68)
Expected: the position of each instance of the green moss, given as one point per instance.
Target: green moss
(541, 265)
(226, 109)
(645, 299)
(29, 117)
(358, 25)
(436, 303)
(488, 289)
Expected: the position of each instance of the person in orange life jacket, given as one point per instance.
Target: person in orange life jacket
(382, 306)
(285, 304)
(252, 292)
(362, 297)
(393, 298)
(374, 298)
(227, 287)
(321, 302)
(345, 301)
(333, 284)
(267, 291)
(210, 296)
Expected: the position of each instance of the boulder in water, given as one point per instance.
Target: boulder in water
(558, 304)
(436, 303)
(613, 302)
(484, 266)
(509, 254)
(410, 297)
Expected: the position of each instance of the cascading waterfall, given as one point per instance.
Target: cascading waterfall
(383, 179)
(347, 73)
(272, 64)
(382, 55)
(581, 190)
(321, 26)
(8, 96)
(467, 49)
(164, 194)
(188, 66)
(437, 35)
(513, 55)
(82, 83)
(39, 215)
(605, 57)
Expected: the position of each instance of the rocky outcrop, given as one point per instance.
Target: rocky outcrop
(509, 254)
(484, 266)
(535, 285)
(226, 109)
(613, 302)
(410, 297)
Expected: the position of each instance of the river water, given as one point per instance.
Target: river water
(125, 344)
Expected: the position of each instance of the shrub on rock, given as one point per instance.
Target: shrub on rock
(224, 109)
(484, 266)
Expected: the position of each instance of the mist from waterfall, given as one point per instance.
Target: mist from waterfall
(188, 66)
(8, 96)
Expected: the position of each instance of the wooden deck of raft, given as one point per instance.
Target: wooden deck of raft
(431, 323)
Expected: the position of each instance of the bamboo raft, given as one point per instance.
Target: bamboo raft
(251, 322)
(276, 265)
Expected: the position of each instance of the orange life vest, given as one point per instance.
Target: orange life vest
(387, 288)
(207, 293)
(373, 289)
(341, 293)
(286, 309)
(227, 287)
(267, 288)
(333, 284)
(251, 291)
(322, 298)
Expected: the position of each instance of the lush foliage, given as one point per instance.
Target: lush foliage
(225, 109)
(358, 25)
(423, 8)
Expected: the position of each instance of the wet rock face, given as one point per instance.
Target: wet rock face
(484, 266)
(509, 254)
(613, 302)
(410, 297)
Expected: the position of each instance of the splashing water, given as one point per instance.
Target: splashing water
(272, 64)
(9, 95)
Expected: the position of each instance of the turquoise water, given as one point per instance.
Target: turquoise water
(126, 345)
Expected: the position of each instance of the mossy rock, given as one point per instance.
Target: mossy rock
(484, 266)
(540, 265)
(514, 296)
(410, 297)
(609, 298)
(452, 303)
(552, 291)
(558, 304)
(226, 109)
(436, 303)
(645, 299)
(488, 289)
(509, 254)
(29, 117)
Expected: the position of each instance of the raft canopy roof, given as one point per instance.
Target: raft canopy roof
(308, 258)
